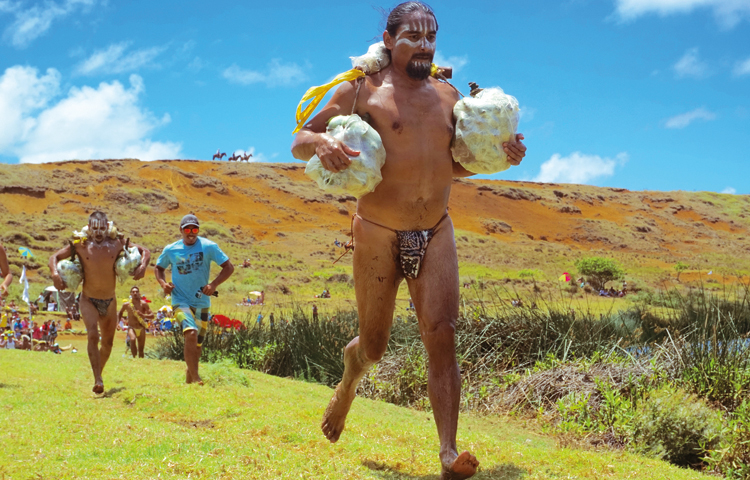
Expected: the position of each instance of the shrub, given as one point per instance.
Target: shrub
(679, 268)
(598, 270)
(732, 457)
(675, 426)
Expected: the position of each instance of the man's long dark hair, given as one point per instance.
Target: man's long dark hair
(396, 16)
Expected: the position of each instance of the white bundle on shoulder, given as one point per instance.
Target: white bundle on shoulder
(363, 175)
(376, 59)
(71, 273)
(127, 262)
(84, 233)
(483, 122)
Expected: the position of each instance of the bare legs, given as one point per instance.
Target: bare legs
(98, 356)
(192, 355)
(435, 294)
(137, 342)
(376, 285)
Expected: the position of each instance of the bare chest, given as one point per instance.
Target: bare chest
(402, 119)
(94, 255)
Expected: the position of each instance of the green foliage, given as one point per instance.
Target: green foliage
(529, 273)
(732, 457)
(143, 208)
(679, 268)
(676, 426)
(575, 413)
(296, 347)
(244, 425)
(401, 379)
(598, 270)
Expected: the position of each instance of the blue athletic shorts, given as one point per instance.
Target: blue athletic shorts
(187, 317)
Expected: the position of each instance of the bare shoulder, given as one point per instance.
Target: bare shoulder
(446, 90)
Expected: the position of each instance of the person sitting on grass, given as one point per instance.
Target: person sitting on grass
(25, 343)
(68, 326)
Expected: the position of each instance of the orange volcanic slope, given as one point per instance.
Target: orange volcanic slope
(276, 205)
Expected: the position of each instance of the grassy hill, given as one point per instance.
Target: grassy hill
(275, 216)
(244, 424)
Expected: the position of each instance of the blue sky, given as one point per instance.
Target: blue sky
(637, 94)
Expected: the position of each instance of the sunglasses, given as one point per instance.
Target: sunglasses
(191, 230)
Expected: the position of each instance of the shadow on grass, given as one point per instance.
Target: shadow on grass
(8, 385)
(110, 392)
(505, 471)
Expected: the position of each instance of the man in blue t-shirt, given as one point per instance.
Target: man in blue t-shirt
(190, 259)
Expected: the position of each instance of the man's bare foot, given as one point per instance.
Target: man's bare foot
(190, 379)
(335, 414)
(464, 466)
(98, 387)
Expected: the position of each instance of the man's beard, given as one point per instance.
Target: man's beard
(419, 68)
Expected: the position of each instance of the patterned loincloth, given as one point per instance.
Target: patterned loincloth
(412, 246)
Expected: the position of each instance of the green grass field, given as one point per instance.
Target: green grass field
(243, 424)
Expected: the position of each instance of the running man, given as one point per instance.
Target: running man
(190, 259)
(98, 254)
(5, 276)
(402, 229)
(139, 314)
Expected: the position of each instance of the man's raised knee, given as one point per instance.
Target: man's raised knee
(373, 353)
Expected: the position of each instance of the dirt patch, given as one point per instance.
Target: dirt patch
(36, 192)
(196, 423)
(495, 226)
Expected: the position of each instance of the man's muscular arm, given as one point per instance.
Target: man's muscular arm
(7, 277)
(140, 271)
(56, 257)
(313, 139)
(160, 275)
(460, 171)
(123, 309)
(226, 271)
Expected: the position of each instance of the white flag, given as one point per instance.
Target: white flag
(25, 282)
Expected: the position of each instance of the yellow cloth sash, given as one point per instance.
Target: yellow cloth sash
(317, 94)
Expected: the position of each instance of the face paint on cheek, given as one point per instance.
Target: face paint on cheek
(424, 28)
(98, 227)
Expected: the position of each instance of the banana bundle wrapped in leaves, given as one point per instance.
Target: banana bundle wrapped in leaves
(484, 121)
(128, 260)
(363, 175)
(71, 273)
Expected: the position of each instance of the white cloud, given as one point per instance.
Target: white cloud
(88, 123)
(729, 190)
(456, 61)
(114, 59)
(527, 113)
(690, 65)
(578, 168)
(197, 64)
(276, 74)
(22, 94)
(33, 22)
(742, 68)
(684, 119)
(728, 13)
